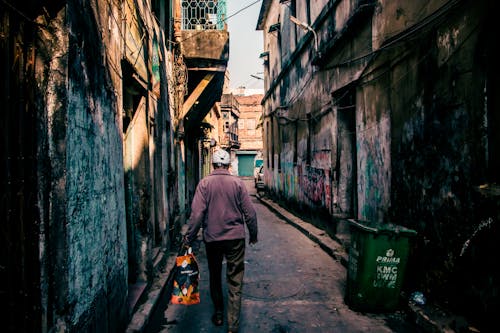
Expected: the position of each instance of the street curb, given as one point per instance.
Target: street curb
(141, 316)
(428, 317)
(423, 316)
(333, 248)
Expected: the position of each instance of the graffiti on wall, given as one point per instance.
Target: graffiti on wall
(374, 173)
(328, 191)
(313, 185)
(289, 179)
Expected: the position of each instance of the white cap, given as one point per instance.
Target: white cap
(221, 157)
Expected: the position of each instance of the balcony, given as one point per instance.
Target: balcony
(204, 43)
(230, 110)
(232, 136)
(230, 104)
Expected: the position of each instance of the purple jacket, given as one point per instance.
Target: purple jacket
(222, 206)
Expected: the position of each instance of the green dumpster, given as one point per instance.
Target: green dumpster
(377, 260)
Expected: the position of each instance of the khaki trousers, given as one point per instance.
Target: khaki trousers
(234, 252)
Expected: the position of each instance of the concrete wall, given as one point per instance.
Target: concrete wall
(303, 145)
(84, 254)
(74, 130)
(438, 95)
(392, 119)
(94, 229)
(249, 136)
(148, 141)
(138, 195)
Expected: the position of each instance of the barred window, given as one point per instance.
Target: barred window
(203, 15)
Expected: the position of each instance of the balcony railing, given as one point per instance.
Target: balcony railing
(203, 14)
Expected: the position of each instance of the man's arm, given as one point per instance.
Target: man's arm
(198, 210)
(249, 214)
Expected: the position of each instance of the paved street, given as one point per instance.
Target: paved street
(291, 285)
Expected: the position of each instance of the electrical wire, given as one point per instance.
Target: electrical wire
(393, 85)
(405, 35)
(408, 34)
(242, 9)
(22, 14)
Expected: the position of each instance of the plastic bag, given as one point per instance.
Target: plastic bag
(185, 288)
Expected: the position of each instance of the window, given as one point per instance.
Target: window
(250, 124)
(203, 14)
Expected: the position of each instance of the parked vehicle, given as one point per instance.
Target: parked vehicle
(259, 178)
(256, 166)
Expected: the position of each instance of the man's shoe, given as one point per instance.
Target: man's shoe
(218, 318)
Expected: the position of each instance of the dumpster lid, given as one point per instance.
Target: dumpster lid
(381, 228)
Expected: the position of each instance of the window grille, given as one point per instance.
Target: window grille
(203, 14)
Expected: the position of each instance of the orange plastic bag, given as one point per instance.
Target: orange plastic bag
(186, 277)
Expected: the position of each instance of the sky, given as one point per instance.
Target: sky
(245, 44)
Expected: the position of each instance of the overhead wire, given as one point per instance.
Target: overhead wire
(22, 14)
(406, 33)
(394, 84)
(405, 36)
(220, 21)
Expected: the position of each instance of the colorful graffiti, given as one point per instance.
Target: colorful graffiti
(313, 185)
(289, 179)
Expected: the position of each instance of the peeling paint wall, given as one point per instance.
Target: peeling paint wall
(310, 153)
(439, 98)
(148, 104)
(84, 286)
(71, 268)
(138, 196)
(373, 145)
(395, 119)
(86, 155)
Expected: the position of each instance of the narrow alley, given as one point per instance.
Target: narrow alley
(291, 285)
(371, 118)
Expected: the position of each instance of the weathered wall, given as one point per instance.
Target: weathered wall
(398, 123)
(20, 251)
(373, 141)
(438, 96)
(206, 44)
(310, 147)
(84, 279)
(98, 268)
(148, 143)
(68, 226)
(164, 160)
(53, 48)
(138, 195)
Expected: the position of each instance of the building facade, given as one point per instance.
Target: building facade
(387, 111)
(103, 131)
(250, 133)
(202, 53)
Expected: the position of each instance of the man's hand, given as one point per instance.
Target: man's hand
(185, 243)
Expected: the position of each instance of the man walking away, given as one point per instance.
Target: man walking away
(221, 207)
